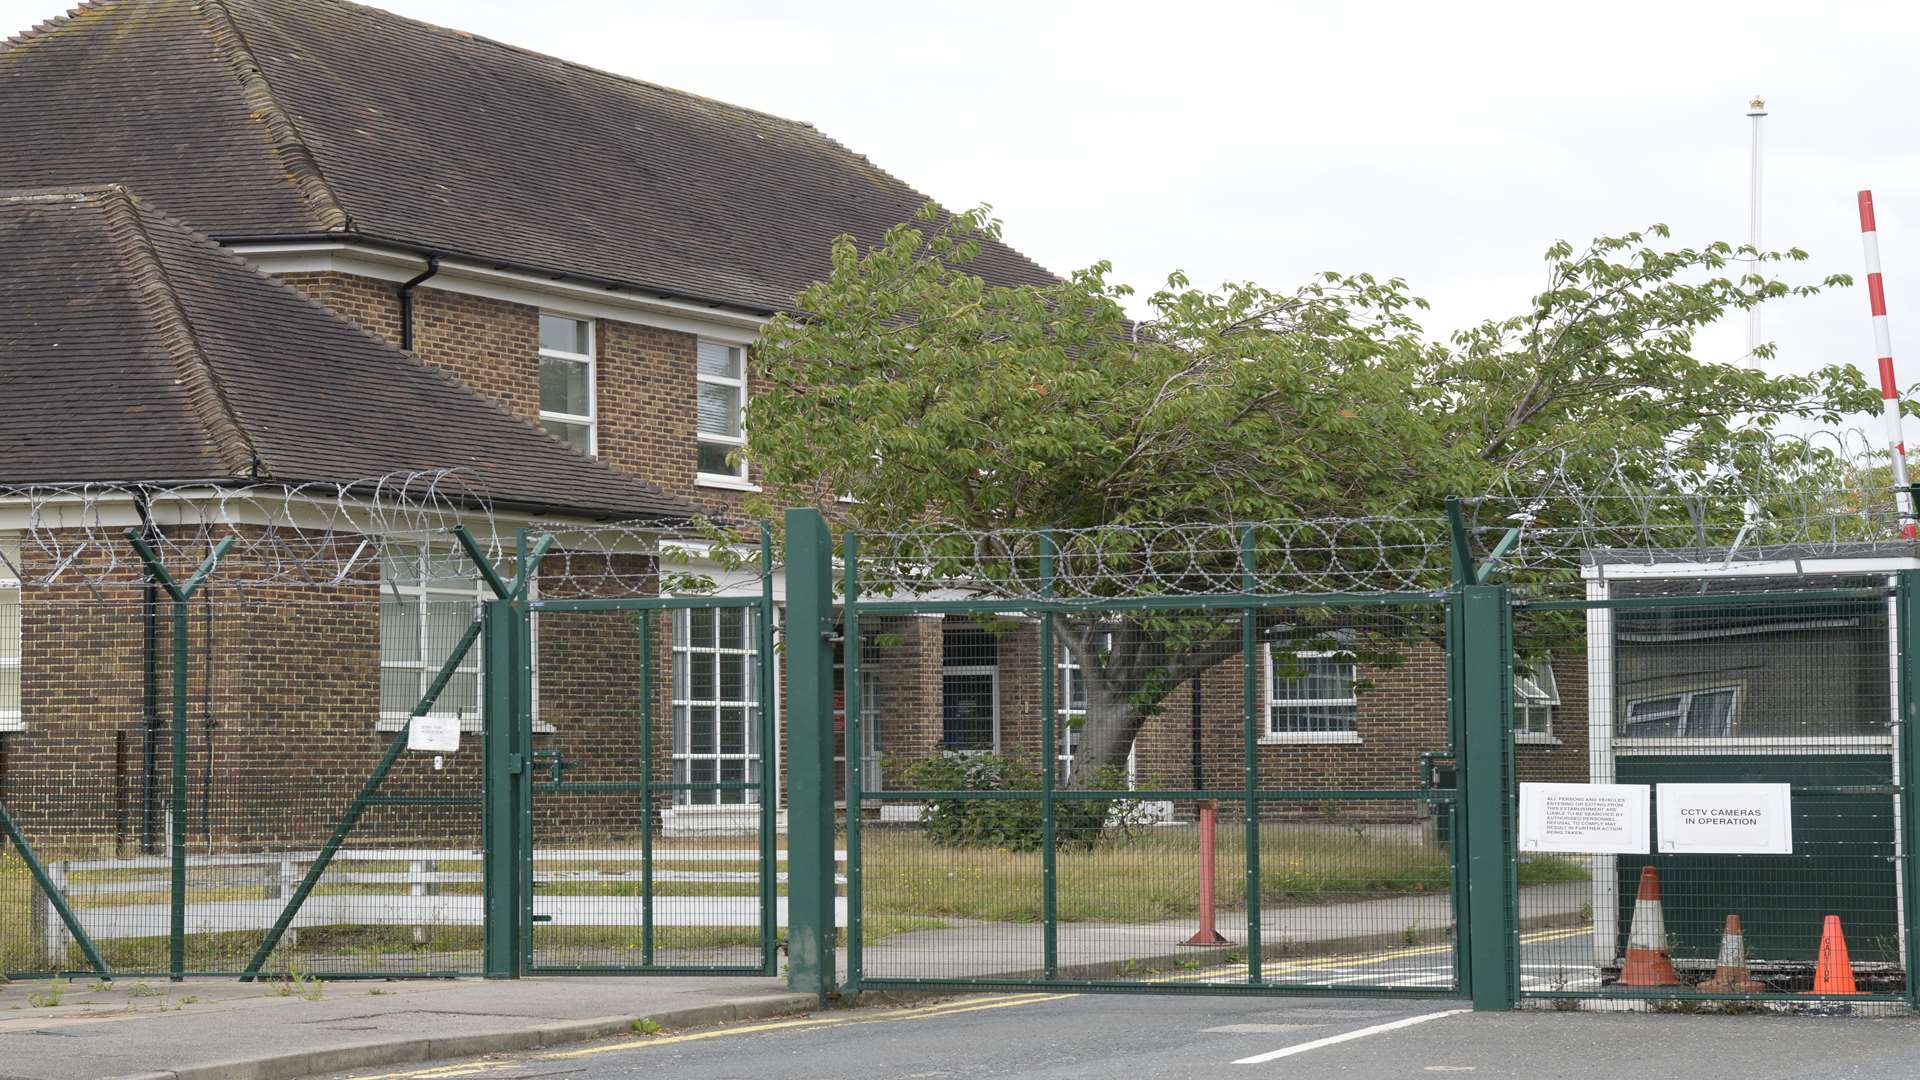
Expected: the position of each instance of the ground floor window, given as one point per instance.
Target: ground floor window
(428, 598)
(969, 690)
(716, 704)
(1310, 693)
(1070, 690)
(1535, 693)
(11, 718)
(1693, 714)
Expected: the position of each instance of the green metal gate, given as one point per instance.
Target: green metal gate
(651, 814)
(1256, 844)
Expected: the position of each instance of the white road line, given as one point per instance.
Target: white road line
(1301, 1048)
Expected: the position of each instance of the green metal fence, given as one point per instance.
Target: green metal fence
(916, 776)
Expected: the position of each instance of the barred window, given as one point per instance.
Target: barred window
(1311, 694)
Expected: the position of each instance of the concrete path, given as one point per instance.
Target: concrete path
(219, 1029)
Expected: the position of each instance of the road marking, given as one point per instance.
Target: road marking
(1377, 1029)
(922, 1012)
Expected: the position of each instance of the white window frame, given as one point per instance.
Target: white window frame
(1272, 736)
(1541, 693)
(1686, 712)
(737, 479)
(421, 594)
(1067, 673)
(590, 358)
(12, 713)
(754, 758)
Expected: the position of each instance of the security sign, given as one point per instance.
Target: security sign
(1725, 819)
(440, 734)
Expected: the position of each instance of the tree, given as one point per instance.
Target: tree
(928, 397)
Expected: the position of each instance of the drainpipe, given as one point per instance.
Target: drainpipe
(406, 300)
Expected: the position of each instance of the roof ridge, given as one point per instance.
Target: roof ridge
(283, 135)
(578, 66)
(47, 26)
(191, 364)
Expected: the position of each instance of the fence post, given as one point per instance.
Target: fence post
(501, 765)
(1906, 752)
(1486, 793)
(810, 856)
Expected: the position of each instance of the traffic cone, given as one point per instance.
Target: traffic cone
(1835, 973)
(1730, 975)
(1648, 961)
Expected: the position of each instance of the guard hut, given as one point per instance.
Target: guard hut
(1785, 672)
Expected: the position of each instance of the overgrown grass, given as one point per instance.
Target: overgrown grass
(1154, 875)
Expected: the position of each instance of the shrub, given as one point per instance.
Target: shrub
(1013, 824)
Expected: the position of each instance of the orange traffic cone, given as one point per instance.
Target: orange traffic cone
(1835, 973)
(1648, 961)
(1730, 975)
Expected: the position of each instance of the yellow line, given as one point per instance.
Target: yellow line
(1350, 960)
(920, 1013)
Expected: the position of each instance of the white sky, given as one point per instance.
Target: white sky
(1446, 143)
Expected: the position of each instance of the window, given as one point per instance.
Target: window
(1070, 691)
(716, 704)
(427, 601)
(969, 690)
(1535, 693)
(722, 386)
(566, 380)
(1311, 697)
(11, 718)
(1692, 714)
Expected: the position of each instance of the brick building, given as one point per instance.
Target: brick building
(540, 272)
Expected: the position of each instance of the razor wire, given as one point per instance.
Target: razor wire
(1554, 518)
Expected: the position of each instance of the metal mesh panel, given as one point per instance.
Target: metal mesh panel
(1701, 682)
(650, 834)
(1064, 796)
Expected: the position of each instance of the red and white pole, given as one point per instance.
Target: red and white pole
(1889, 389)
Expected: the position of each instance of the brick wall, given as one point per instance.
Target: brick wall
(645, 376)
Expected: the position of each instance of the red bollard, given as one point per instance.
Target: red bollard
(1207, 935)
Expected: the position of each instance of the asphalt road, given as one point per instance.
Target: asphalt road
(1065, 1037)
(1099, 1037)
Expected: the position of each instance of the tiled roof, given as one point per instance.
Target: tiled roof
(134, 349)
(254, 119)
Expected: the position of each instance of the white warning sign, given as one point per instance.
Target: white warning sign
(437, 733)
(1597, 819)
(1726, 819)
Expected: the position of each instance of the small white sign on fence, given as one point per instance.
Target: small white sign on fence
(1588, 819)
(1726, 819)
(439, 734)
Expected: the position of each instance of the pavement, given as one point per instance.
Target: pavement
(221, 1029)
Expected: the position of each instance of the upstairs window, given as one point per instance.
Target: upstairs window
(722, 388)
(10, 596)
(566, 380)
